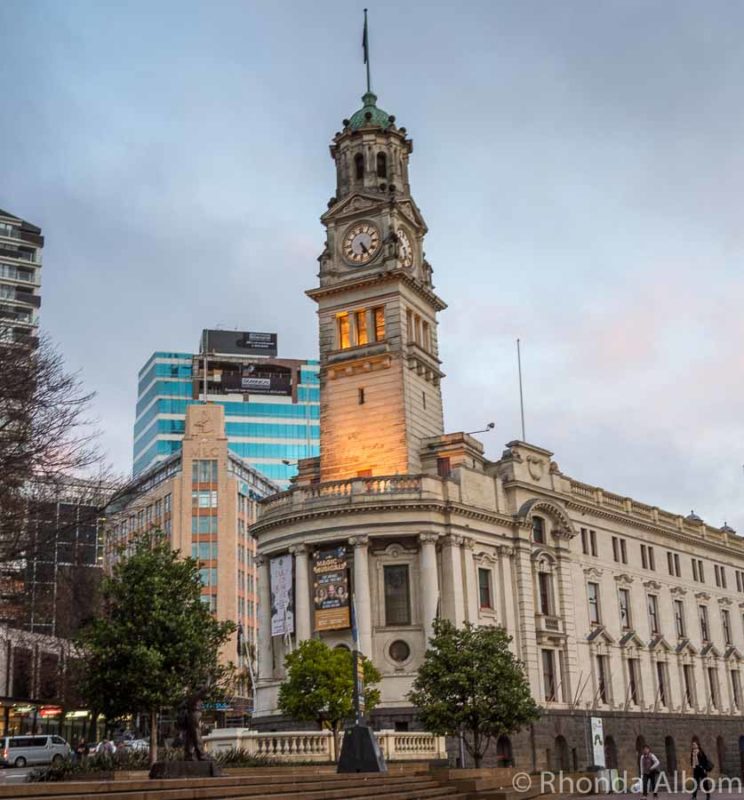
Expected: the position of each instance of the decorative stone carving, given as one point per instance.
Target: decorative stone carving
(592, 572)
(623, 579)
(359, 541)
(702, 596)
(536, 467)
(678, 590)
(653, 585)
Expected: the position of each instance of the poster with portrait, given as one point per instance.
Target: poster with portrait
(282, 596)
(331, 589)
(598, 744)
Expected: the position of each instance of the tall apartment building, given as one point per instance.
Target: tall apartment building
(272, 405)
(204, 499)
(20, 277)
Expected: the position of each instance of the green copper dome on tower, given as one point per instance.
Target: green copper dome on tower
(369, 114)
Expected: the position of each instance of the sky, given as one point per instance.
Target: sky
(579, 165)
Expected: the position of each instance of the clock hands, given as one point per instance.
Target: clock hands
(363, 248)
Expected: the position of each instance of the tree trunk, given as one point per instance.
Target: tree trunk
(153, 737)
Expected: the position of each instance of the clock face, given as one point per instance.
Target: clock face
(405, 249)
(361, 243)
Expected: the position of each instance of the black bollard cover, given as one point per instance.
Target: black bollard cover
(360, 751)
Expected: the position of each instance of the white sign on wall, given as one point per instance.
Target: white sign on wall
(282, 596)
(598, 745)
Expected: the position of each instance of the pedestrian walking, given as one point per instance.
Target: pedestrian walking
(81, 750)
(701, 766)
(650, 768)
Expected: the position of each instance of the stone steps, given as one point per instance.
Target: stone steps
(278, 786)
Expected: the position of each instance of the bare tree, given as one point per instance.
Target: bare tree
(47, 440)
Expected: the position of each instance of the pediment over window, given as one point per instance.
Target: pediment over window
(710, 651)
(685, 646)
(631, 639)
(659, 643)
(678, 590)
(624, 579)
(592, 572)
(653, 585)
(561, 522)
(732, 654)
(702, 596)
(599, 634)
(725, 601)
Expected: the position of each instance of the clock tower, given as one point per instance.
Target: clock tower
(380, 372)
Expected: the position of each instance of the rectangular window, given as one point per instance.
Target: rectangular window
(723, 578)
(204, 499)
(738, 581)
(379, 317)
(624, 595)
(653, 613)
(593, 595)
(633, 681)
(677, 567)
(689, 685)
(360, 317)
(425, 341)
(593, 542)
(713, 686)
(716, 575)
(204, 524)
(673, 564)
(704, 631)
(538, 530)
(443, 467)
(736, 687)
(726, 623)
(585, 541)
(602, 685)
(644, 557)
(397, 594)
(661, 683)
(361, 395)
(484, 588)
(208, 577)
(548, 665)
(698, 573)
(679, 617)
(619, 550)
(204, 471)
(343, 330)
(544, 593)
(204, 551)
(647, 557)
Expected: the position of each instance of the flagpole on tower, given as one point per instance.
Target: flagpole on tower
(365, 47)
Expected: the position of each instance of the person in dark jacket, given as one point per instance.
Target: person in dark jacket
(701, 766)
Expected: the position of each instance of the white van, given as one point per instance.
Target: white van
(18, 751)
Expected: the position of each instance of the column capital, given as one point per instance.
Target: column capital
(428, 538)
(298, 549)
(453, 540)
(505, 550)
(359, 541)
(261, 561)
(469, 543)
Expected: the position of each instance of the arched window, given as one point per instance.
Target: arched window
(538, 530)
(721, 748)
(359, 166)
(563, 762)
(610, 753)
(671, 755)
(504, 752)
(381, 165)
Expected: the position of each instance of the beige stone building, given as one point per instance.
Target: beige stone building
(204, 499)
(619, 610)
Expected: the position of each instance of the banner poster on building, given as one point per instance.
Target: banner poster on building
(331, 589)
(282, 596)
(598, 744)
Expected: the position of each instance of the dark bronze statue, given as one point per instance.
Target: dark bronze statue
(189, 723)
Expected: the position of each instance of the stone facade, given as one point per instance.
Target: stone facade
(617, 609)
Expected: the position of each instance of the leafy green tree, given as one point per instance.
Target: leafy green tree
(319, 686)
(471, 685)
(156, 642)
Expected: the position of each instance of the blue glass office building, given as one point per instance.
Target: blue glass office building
(272, 407)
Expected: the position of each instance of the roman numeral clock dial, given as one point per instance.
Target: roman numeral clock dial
(361, 243)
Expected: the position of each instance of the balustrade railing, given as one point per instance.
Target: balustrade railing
(318, 745)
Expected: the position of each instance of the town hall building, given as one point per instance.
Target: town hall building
(620, 611)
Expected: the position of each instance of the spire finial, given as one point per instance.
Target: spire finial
(365, 47)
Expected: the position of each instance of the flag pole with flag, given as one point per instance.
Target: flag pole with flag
(365, 47)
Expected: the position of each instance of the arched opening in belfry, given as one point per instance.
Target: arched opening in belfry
(381, 165)
(359, 166)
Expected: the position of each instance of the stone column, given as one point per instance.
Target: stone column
(303, 624)
(453, 605)
(472, 601)
(429, 582)
(265, 651)
(362, 599)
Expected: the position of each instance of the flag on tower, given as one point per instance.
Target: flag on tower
(365, 39)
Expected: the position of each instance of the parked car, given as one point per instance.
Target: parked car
(18, 751)
(137, 744)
